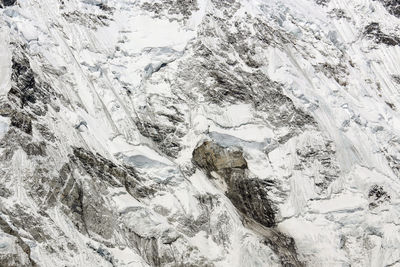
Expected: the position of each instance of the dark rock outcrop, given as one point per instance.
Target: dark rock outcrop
(322, 2)
(248, 195)
(22, 122)
(26, 90)
(102, 168)
(15, 260)
(213, 157)
(4, 3)
(374, 32)
(393, 6)
(172, 7)
(92, 21)
(164, 126)
(324, 155)
(377, 196)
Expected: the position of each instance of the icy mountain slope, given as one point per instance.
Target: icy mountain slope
(199, 133)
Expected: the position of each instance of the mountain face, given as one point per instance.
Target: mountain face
(199, 133)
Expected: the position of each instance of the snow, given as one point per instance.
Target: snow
(96, 66)
(4, 125)
(5, 62)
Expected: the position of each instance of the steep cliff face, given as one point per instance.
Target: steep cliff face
(199, 133)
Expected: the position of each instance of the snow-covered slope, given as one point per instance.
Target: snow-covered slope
(199, 133)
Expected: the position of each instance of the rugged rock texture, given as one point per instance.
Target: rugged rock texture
(374, 32)
(393, 6)
(248, 195)
(5, 3)
(105, 106)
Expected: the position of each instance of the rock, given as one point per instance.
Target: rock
(10, 260)
(92, 21)
(172, 7)
(373, 31)
(4, 3)
(162, 121)
(248, 195)
(117, 176)
(104, 253)
(393, 6)
(35, 148)
(22, 122)
(322, 2)
(45, 132)
(377, 196)
(320, 155)
(212, 157)
(26, 91)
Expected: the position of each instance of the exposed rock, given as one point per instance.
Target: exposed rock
(101, 168)
(212, 157)
(35, 148)
(172, 7)
(393, 6)
(22, 122)
(322, 2)
(339, 14)
(373, 31)
(71, 196)
(33, 225)
(8, 260)
(164, 136)
(104, 253)
(45, 132)
(322, 157)
(396, 78)
(4, 3)
(285, 247)
(26, 91)
(164, 123)
(89, 20)
(392, 154)
(377, 196)
(338, 72)
(105, 7)
(248, 195)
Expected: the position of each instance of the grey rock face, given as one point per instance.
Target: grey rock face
(248, 195)
(19, 259)
(27, 92)
(22, 122)
(393, 6)
(322, 2)
(323, 156)
(172, 7)
(373, 31)
(91, 20)
(99, 167)
(102, 104)
(377, 196)
(7, 2)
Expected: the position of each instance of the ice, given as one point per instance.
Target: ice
(105, 79)
(5, 62)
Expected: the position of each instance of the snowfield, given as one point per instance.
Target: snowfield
(200, 133)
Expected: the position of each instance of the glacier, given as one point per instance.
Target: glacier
(199, 133)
